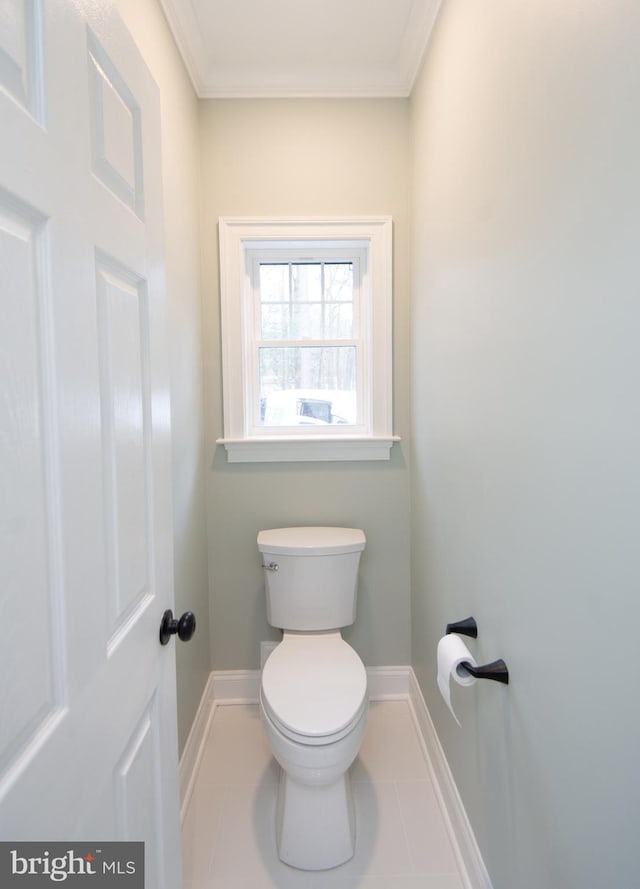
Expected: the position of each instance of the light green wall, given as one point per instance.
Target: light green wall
(319, 157)
(523, 421)
(526, 424)
(180, 162)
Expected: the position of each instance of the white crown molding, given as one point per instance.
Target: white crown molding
(294, 89)
(186, 33)
(416, 40)
(386, 80)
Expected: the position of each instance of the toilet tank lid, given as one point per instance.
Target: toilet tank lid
(311, 541)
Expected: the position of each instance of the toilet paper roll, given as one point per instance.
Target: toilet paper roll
(451, 653)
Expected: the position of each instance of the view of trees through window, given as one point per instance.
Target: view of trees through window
(307, 361)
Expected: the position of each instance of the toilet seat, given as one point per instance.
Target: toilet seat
(314, 688)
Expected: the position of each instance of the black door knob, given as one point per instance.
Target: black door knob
(185, 626)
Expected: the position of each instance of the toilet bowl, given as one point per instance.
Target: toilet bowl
(313, 695)
(313, 702)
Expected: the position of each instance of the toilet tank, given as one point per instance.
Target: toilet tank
(311, 576)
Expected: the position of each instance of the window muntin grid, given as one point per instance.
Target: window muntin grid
(308, 364)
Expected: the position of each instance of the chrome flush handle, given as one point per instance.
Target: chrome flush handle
(272, 566)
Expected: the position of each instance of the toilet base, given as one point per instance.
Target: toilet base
(315, 824)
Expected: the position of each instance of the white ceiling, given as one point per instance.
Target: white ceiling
(264, 48)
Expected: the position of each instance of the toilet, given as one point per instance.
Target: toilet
(313, 693)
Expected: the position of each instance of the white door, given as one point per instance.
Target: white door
(88, 745)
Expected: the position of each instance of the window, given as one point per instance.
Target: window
(306, 330)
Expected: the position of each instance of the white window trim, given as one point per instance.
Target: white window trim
(238, 234)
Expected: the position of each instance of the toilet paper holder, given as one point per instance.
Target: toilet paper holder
(496, 670)
(466, 627)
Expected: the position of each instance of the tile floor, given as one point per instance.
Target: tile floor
(228, 834)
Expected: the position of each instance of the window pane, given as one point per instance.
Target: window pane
(291, 321)
(307, 385)
(338, 281)
(274, 321)
(338, 321)
(274, 282)
(306, 282)
(306, 321)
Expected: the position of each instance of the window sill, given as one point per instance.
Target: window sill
(298, 450)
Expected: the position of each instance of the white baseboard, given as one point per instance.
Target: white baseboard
(228, 687)
(193, 748)
(388, 683)
(243, 686)
(472, 868)
(236, 686)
